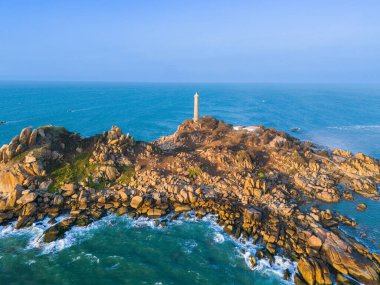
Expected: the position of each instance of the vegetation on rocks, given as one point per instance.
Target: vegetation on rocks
(126, 174)
(71, 172)
(194, 172)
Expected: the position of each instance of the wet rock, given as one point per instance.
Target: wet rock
(24, 221)
(122, 211)
(229, 229)
(155, 213)
(57, 231)
(287, 274)
(30, 209)
(253, 260)
(82, 221)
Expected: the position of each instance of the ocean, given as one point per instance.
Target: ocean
(118, 250)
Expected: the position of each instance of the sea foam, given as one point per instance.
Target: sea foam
(244, 248)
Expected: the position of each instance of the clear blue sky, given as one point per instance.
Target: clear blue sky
(190, 41)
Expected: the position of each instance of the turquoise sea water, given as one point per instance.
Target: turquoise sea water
(126, 252)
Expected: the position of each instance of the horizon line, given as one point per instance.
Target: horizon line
(189, 82)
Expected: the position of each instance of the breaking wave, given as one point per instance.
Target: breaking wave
(244, 248)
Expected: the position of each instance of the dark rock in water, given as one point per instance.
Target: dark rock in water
(361, 207)
(295, 130)
(83, 221)
(52, 221)
(287, 274)
(58, 231)
(259, 254)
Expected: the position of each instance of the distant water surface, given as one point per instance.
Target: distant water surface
(124, 252)
(345, 116)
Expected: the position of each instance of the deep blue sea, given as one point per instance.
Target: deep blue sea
(129, 252)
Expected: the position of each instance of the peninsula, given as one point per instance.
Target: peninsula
(257, 182)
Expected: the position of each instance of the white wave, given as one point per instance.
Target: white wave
(75, 258)
(78, 234)
(36, 230)
(218, 238)
(189, 246)
(143, 222)
(91, 257)
(74, 235)
(80, 110)
(113, 267)
(246, 249)
(355, 127)
(30, 262)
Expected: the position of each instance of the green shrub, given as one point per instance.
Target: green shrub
(194, 172)
(260, 175)
(126, 174)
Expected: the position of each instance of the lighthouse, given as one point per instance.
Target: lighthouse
(196, 111)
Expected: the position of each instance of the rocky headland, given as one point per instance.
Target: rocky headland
(255, 180)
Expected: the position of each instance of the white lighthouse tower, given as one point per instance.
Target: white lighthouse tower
(196, 110)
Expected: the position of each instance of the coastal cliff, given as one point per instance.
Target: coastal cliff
(256, 181)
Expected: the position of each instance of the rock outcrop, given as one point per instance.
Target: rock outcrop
(255, 180)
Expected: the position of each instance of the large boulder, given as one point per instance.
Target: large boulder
(361, 207)
(346, 259)
(58, 230)
(155, 213)
(182, 208)
(314, 242)
(24, 221)
(14, 196)
(10, 177)
(33, 138)
(314, 271)
(29, 209)
(136, 202)
(27, 198)
(25, 136)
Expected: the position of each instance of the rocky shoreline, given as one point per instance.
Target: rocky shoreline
(254, 180)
